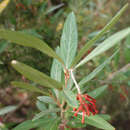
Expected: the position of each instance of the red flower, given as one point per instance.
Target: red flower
(87, 105)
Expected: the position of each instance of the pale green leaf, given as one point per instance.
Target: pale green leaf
(45, 112)
(36, 76)
(7, 109)
(96, 71)
(105, 45)
(97, 122)
(69, 40)
(28, 40)
(29, 124)
(89, 44)
(70, 97)
(46, 99)
(56, 68)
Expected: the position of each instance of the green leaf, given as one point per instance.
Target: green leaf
(46, 99)
(28, 87)
(96, 71)
(97, 122)
(54, 8)
(105, 45)
(127, 50)
(28, 40)
(35, 75)
(105, 117)
(29, 124)
(7, 109)
(41, 106)
(88, 45)
(69, 40)
(3, 46)
(70, 97)
(56, 68)
(53, 125)
(45, 112)
(98, 91)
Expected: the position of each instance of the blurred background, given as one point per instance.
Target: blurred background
(44, 19)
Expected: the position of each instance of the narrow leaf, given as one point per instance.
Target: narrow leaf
(46, 112)
(105, 116)
(54, 8)
(27, 87)
(28, 40)
(70, 97)
(96, 71)
(97, 122)
(7, 109)
(29, 124)
(56, 68)
(105, 45)
(69, 40)
(46, 99)
(98, 91)
(35, 75)
(88, 45)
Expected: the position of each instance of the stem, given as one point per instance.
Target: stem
(75, 82)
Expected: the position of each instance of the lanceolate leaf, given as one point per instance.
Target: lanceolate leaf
(70, 97)
(56, 68)
(46, 99)
(28, 87)
(7, 109)
(105, 45)
(105, 29)
(97, 122)
(29, 124)
(25, 39)
(96, 71)
(36, 76)
(69, 40)
(98, 91)
(46, 112)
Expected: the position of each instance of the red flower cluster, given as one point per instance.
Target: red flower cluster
(87, 105)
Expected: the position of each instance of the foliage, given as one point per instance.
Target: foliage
(61, 111)
(58, 91)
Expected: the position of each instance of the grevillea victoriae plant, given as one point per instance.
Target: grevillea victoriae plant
(65, 102)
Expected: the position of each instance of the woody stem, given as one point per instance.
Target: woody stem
(74, 80)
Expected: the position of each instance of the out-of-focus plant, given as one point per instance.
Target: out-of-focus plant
(65, 103)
